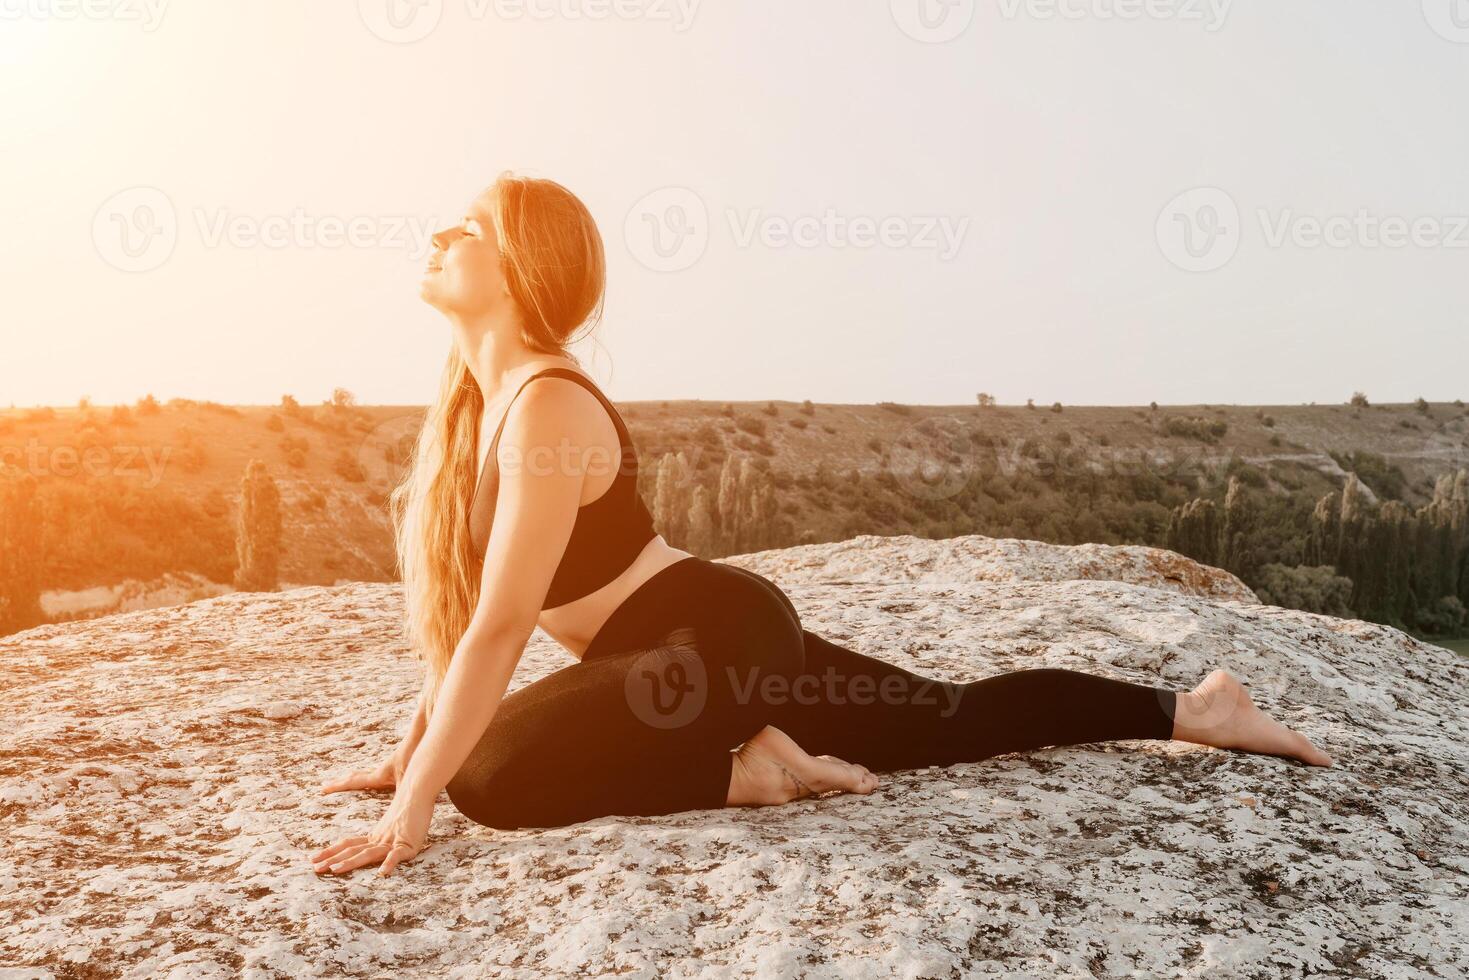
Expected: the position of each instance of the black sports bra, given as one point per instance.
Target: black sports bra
(609, 532)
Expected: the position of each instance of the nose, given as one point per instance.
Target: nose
(442, 239)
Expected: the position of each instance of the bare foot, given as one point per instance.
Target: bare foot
(771, 768)
(1219, 712)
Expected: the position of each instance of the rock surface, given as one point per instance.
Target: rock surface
(975, 558)
(158, 771)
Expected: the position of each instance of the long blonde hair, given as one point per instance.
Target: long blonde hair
(554, 266)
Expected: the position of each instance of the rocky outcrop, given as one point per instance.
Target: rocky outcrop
(975, 558)
(158, 771)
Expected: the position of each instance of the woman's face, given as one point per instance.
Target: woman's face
(463, 274)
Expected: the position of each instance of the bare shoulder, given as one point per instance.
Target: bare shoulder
(552, 409)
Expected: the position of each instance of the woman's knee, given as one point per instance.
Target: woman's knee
(488, 797)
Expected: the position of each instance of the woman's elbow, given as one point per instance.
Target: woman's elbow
(498, 632)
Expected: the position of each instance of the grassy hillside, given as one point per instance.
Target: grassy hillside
(136, 492)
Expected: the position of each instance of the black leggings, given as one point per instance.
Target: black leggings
(701, 657)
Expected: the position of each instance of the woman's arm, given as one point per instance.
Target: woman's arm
(535, 510)
(543, 461)
(414, 735)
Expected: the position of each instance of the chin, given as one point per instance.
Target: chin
(429, 293)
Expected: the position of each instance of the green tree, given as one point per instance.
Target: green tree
(1236, 534)
(671, 498)
(1193, 530)
(1314, 588)
(702, 532)
(258, 532)
(21, 551)
(727, 514)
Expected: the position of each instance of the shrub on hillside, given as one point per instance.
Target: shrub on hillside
(1313, 588)
(1446, 616)
(1193, 427)
(348, 468)
(295, 449)
(750, 424)
(707, 435)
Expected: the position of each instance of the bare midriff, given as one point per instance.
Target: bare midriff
(574, 624)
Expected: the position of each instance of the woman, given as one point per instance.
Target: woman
(696, 685)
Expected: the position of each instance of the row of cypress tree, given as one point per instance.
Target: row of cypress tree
(1385, 562)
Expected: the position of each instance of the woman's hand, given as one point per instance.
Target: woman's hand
(386, 776)
(399, 836)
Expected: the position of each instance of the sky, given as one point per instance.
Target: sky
(1085, 201)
